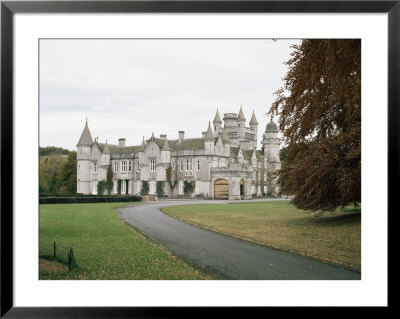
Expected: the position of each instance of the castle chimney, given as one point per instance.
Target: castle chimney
(121, 141)
(181, 136)
(163, 136)
(203, 134)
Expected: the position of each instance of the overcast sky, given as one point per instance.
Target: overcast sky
(131, 88)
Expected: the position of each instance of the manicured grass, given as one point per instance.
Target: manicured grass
(333, 238)
(104, 246)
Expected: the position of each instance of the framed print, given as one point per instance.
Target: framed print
(168, 87)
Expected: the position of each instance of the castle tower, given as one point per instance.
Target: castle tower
(217, 125)
(271, 143)
(254, 127)
(83, 157)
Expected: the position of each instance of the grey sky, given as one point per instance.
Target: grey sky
(131, 88)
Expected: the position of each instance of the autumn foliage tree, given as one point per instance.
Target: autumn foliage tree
(319, 110)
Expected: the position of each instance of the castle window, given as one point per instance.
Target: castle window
(198, 165)
(123, 166)
(123, 186)
(189, 164)
(180, 187)
(173, 166)
(130, 166)
(153, 165)
(180, 166)
(95, 167)
(115, 167)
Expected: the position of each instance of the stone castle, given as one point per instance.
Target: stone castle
(223, 164)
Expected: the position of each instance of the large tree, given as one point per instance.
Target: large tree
(67, 176)
(319, 110)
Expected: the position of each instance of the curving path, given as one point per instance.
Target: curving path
(229, 257)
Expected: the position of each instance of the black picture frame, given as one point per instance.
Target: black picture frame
(9, 8)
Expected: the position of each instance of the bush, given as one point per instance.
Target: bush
(188, 187)
(68, 199)
(101, 187)
(160, 188)
(145, 188)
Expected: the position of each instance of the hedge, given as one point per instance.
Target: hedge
(67, 199)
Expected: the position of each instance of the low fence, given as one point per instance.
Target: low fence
(62, 254)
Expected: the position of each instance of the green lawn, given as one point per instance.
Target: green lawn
(334, 238)
(104, 246)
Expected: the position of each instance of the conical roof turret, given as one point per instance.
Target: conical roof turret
(143, 144)
(217, 119)
(241, 115)
(86, 137)
(209, 134)
(253, 120)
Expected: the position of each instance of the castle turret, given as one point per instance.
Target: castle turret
(217, 125)
(209, 140)
(271, 144)
(165, 152)
(83, 157)
(241, 121)
(254, 128)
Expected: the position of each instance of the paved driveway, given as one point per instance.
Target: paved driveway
(226, 256)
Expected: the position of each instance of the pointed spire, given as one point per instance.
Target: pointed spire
(253, 120)
(217, 119)
(165, 146)
(241, 115)
(225, 138)
(86, 137)
(143, 144)
(209, 134)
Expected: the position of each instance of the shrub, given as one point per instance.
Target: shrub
(145, 188)
(101, 187)
(188, 187)
(87, 199)
(119, 186)
(160, 188)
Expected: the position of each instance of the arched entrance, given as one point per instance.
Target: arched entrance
(221, 189)
(241, 189)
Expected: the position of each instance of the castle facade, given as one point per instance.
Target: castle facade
(223, 164)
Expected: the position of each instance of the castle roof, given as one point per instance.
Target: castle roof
(86, 137)
(217, 119)
(271, 127)
(209, 134)
(116, 149)
(253, 120)
(241, 115)
(188, 144)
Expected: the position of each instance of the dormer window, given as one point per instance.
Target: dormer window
(95, 167)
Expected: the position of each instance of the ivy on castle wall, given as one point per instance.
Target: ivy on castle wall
(145, 188)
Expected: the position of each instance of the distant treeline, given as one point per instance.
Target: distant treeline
(48, 150)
